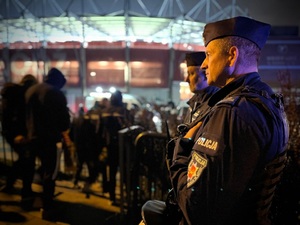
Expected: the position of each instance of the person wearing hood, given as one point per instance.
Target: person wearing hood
(48, 120)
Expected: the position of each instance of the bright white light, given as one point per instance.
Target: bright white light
(97, 95)
(99, 89)
(155, 119)
(93, 73)
(112, 89)
(85, 44)
(183, 84)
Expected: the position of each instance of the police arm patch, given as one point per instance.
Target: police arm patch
(195, 168)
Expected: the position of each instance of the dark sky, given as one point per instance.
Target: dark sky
(275, 12)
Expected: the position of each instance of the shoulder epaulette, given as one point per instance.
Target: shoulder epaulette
(231, 100)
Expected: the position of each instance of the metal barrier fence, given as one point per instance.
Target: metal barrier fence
(143, 170)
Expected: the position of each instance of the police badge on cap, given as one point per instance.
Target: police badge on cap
(240, 26)
(194, 58)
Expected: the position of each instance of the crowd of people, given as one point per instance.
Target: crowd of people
(37, 124)
(225, 158)
(40, 120)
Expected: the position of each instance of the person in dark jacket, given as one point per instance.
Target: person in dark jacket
(87, 140)
(225, 169)
(113, 119)
(14, 131)
(48, 121)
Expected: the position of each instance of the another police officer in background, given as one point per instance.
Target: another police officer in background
(198, 85)
(225, 169)
(113, 119)
(86, 135)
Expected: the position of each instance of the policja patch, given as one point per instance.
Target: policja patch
(196, 167)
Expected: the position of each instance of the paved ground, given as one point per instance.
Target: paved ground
(74, 206)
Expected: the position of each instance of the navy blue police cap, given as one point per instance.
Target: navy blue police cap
(194, 58)
(244, 27)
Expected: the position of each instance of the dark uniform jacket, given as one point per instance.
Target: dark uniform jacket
(113, 120)
(197, 104)
(85, 134)
(47, 113)
(227, 175)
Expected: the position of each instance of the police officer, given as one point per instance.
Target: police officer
(155, 211)
(113, 119)
(225, 169)
(198, 85)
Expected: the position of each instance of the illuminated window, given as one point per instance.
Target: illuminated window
(105, 73)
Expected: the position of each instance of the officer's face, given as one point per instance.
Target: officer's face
(216, 64)
(195, 78)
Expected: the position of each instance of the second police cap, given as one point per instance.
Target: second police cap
(194, 58)
(250, 29)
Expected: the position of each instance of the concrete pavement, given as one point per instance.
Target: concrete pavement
(74, 207)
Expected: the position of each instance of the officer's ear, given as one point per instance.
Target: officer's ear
(233, 54)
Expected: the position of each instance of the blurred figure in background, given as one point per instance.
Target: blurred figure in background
(102, 157)
(48, 122)
(81, 110)
(113, 119)
(87, 138)
(14, 131)
(144, 118)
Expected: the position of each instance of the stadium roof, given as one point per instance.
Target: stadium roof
(161, 21)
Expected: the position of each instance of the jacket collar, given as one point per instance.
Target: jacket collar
(234, 87)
